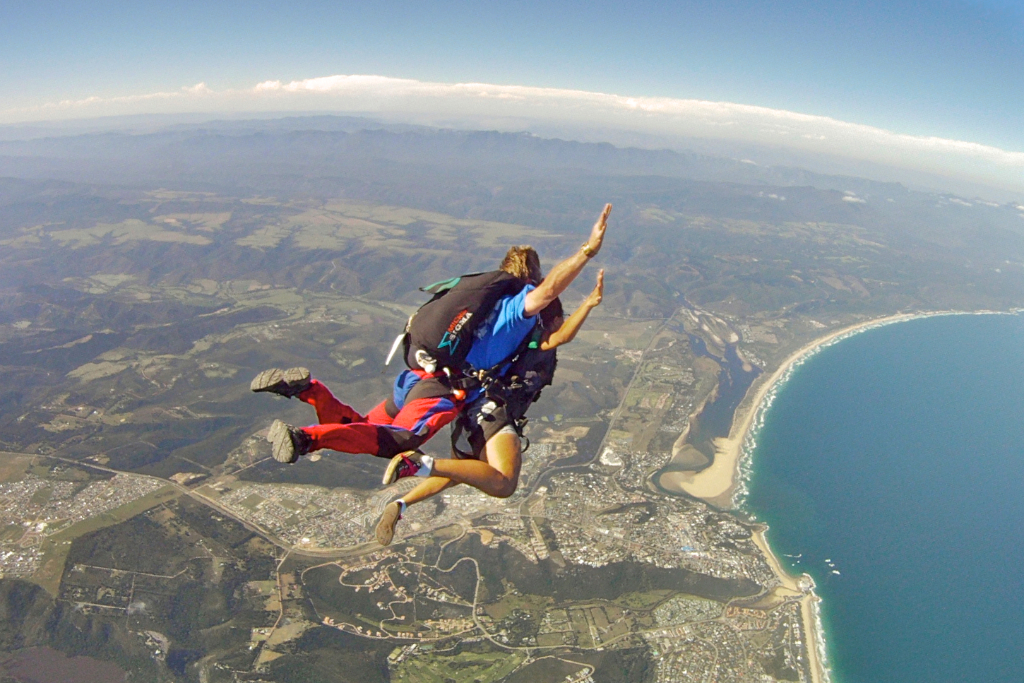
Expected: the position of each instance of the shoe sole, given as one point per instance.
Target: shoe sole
(281, 443)
(391, 473)
(275, 379)
(392, 470)
(387, 523)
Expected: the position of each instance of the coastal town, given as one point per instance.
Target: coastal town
(595, 499)
(35, 509)
(573, 510)
(582, 506)
(626, 504)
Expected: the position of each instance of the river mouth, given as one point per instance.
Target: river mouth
(714, 419)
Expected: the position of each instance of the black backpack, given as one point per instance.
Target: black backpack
(440, 334)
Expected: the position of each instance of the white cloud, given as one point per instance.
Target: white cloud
(854, 200)
(518, 104)
(94, 105)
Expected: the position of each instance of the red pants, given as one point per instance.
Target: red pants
(386, 430)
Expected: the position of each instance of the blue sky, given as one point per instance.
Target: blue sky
(951, 69)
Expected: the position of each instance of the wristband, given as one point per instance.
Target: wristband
(587, 251)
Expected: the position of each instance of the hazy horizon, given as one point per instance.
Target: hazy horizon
(762, 137)
(930, 87)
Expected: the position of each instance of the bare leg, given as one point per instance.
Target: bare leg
(497, 477)
(431, 486)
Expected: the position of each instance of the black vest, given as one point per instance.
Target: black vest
(533, 370)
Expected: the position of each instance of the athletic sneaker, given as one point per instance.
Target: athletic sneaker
(388, 521)
(402, 465)
(288, 442)
(287, 383)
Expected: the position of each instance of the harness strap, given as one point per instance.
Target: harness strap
(458, 429)
(491, 379)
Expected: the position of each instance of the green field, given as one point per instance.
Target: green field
(468, 667)
(56, 547)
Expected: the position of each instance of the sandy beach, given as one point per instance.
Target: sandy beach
(721, 483)
(718, 483)
(801, 588)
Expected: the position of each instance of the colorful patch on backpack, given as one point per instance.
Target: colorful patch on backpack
(450, 340)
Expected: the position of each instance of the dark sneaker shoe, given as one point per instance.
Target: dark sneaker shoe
(402, 465)
(387, 523)
(288, 442)
(287, 383)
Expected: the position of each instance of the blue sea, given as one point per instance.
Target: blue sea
(897, 455)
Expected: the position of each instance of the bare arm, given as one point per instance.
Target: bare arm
(567, 332)
(562, 275)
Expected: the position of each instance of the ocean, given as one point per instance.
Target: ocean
(890, 467)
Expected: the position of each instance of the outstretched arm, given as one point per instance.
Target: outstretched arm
(567, 332)
(562, 275)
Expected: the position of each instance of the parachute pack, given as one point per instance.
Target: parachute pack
(440, 334)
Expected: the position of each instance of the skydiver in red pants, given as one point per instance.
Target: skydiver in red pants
(420, 405)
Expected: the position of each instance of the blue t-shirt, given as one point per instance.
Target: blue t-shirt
(500, 335)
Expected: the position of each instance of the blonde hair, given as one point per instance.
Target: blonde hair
(523, 262)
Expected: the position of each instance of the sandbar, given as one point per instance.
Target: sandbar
(718, 483)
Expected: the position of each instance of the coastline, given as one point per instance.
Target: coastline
(726, 483)
(802, 586)
(722, 483)
(735, 453)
